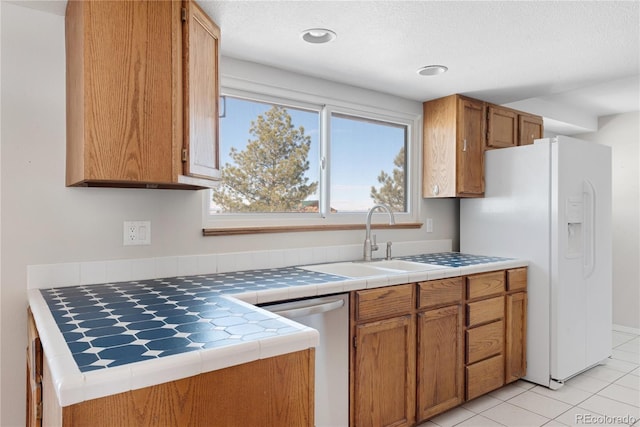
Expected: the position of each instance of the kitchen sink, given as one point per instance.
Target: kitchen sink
(398, 264)
(357, 269)
(349, 269)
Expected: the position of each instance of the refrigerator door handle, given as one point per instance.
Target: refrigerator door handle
(589, 200)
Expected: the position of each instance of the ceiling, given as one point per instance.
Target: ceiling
(569, 61)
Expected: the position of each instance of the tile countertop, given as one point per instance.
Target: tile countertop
(111, 338)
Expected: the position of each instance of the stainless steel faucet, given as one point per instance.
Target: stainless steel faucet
(370, 246)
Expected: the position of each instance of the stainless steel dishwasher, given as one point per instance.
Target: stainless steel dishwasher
(330, 317)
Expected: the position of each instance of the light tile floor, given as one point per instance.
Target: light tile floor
(608, 394)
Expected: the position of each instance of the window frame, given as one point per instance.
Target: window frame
(326, 107)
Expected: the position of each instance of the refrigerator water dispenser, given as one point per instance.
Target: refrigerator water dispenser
(575, 218)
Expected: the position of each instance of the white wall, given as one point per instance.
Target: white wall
(44, 222)
(622, 133)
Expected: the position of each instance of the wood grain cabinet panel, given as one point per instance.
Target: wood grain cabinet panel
(517, 279)
(530, 128)
(484, 311)
(502, 127)
(127, 94)
(485, 376)
(485, 341)
(485, 284)
(516, 336)
(435, 293)
(384, 373)
(383, 302)
(453, 152)
(440, 384)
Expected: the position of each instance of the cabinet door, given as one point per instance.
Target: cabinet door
(34, 374)
(529, 129)
(502, 127)
(121, 91)
(470, 147)
(516, 336)
(201, 93)
(440, 365)
(384, 373)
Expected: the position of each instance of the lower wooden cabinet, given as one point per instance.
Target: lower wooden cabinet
(440, 350)
(421, 349)
(516, 336)
(384, 385)
(34, 374)
(485, 376)
(276, 391)
(383, 357)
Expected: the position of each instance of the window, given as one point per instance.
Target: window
(269, 158)
(285, 161)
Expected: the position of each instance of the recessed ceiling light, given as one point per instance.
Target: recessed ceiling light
(432, 70)
(318, 35)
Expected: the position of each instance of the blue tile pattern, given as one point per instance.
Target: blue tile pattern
(453, 259)
(114, 324)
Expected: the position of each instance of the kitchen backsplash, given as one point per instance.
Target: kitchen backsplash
(91, 272)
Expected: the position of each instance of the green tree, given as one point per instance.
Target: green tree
(392, 189)
(269, 174)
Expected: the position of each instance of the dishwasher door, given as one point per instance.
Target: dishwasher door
(330, 317)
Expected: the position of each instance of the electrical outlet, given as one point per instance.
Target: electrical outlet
(429, 225)
(136, 233)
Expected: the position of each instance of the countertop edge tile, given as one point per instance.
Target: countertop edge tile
(283, 344)
(106, 382)
(302, 291)
(163, 370)
(67, 379)
(231, 355)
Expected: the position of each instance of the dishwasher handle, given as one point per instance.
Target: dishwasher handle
(307, 310)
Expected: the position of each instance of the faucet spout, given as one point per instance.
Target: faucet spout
(370, 246)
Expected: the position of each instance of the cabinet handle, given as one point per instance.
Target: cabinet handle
(435, 190)
(464, 145)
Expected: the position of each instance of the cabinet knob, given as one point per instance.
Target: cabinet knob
(436, 190)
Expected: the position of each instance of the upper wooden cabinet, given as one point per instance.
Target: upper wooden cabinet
(454, 140)
(502, 127)
(509, 128)
(142, 94)
(529, 128)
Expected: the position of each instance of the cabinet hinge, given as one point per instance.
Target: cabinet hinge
(355, 342)
(184, 14)
(184, 154)
(39, 411)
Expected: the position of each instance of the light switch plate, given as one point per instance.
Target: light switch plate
(136, 233)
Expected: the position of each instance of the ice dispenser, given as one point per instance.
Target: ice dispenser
(575, 218)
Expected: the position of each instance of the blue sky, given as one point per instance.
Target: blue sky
(359, 149)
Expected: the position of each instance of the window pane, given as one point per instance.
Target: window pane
(368, 164)
(269, 159)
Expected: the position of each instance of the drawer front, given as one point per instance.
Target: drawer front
(485, 311)
(485, 376)
(517, 279)
(440, 292)
(486, 284)
(485, 341)
(383, 302)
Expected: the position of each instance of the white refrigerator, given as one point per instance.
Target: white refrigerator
(550, 204)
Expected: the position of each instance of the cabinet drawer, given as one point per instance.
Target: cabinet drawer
(486, 284)
(485, 311)
(440, 292)
(517, 279)
(383, 302)
(485, 341)
(485, 376)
